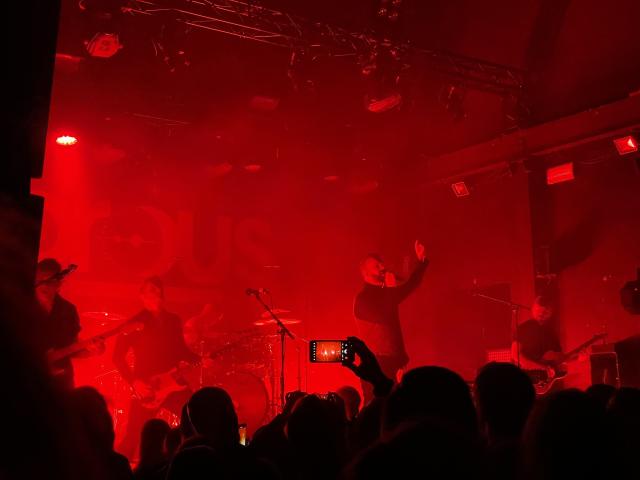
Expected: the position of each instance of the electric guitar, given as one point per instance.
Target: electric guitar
(56, 355)
(542, 382)
(164, 384)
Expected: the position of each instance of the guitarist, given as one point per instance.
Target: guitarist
(157, 348)
(537, 343)
(61, 324)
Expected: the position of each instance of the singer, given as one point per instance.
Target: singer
(376, 309)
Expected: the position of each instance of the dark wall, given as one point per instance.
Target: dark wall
(596, 247)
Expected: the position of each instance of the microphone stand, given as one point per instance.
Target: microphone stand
(515, 311)
(284, 332)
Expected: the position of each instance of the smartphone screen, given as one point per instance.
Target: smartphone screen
(242, 430)
(328, 351)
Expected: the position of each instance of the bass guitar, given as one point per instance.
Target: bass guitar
(542, 382)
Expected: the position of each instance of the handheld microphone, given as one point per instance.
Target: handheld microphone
(256, 291)
(399, 278)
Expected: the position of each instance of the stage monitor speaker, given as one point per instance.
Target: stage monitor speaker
(628, 351)
(604, 368)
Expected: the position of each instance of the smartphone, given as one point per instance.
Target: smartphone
(330, 396)
(242, 430)
(330, 351)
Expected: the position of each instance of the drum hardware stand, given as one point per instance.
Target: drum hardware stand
(515, 311)
(284, 332)
(273, 403)
(201, 366)
(299, 369)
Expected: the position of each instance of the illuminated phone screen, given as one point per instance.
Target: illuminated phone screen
(328, 351)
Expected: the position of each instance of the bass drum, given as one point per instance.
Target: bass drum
(249, 396)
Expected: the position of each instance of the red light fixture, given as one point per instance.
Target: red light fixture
(560, 173)
(104, 45)
(460, 189)
(253, 167)
(66, 140)
(626, 145)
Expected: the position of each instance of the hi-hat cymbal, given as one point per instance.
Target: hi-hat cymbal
(271, 321)
(103, 318)
(277, 311)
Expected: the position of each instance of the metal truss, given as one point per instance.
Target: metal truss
(251, 21)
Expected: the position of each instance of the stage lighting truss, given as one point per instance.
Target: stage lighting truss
(251, 21)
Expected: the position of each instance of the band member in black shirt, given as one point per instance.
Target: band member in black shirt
(61, 321)
(537, 342)
(156, 348)
(376, 309)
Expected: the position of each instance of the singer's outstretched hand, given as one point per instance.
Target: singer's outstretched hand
(420, 251)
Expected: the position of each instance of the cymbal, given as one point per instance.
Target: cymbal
(277, 311)
(204, 326)
(103, 317)
(271, 321)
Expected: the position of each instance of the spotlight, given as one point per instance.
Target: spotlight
(560, 173)
(388, 102)
(460, 189)
(105, 18)
(66, 140)
(626, 145)
(381, 69)
(103, 45)
(253, 167)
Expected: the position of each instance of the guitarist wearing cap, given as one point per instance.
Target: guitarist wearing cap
(61, 323)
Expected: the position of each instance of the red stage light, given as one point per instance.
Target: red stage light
(626, 145)
(66, 140)
(104, 45)
(460, 189)
(560, 173)
(253, 167)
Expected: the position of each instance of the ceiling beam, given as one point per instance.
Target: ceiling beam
(594, 124)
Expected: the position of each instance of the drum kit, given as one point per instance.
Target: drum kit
(244, 362)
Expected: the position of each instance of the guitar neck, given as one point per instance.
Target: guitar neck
(82, 344)
(581, 347)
